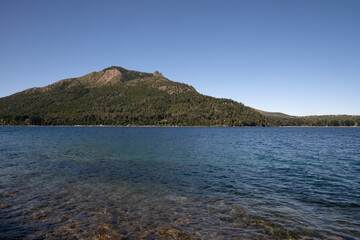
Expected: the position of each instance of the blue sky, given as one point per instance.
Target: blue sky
(299, 57)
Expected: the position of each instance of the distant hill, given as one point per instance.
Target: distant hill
(282, 119)
(121, 97)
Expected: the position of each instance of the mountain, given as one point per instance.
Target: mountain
(117, 96)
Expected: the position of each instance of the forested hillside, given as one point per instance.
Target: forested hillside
(116, 96)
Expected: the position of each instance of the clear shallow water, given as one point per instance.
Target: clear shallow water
(184, 183)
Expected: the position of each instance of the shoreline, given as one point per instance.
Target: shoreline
(153, 126)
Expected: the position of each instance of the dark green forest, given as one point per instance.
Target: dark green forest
(316, 121)
(116, 96)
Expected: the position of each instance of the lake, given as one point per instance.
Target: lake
(179, 183)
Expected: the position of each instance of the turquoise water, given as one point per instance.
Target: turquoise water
(180, 183)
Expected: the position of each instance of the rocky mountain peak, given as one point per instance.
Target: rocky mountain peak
(158, 74)
(109, 75)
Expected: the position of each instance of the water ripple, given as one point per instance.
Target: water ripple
(179, 183)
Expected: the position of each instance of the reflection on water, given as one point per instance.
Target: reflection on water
(181, 183)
